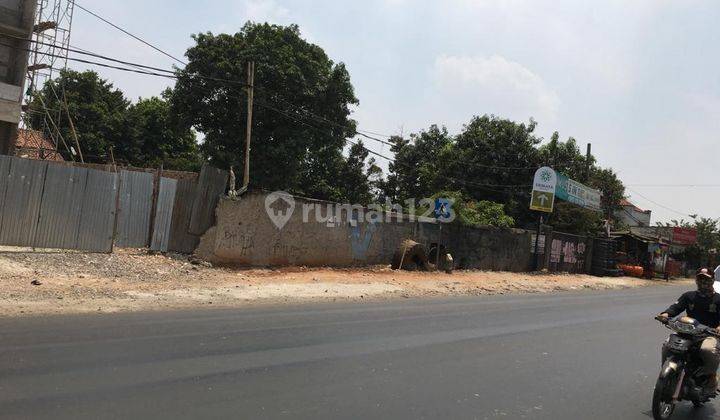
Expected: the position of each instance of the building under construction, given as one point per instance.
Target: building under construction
(34, 40)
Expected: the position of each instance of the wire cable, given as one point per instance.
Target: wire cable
(658, 204)
(76, 4)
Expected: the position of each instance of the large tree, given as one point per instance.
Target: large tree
(301, 117)
(493, 160)
(416, 171)
(98, 109)
(141, 134)
(565, 157)
(156, 139)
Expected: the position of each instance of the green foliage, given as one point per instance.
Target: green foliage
(156, 140)
(565, 157)
(494, 160)
(607, 181)
(140, 134)
(300, 118)
(708, 237)
(675, 223)
(704, 252)
(414, 174)
(99, 113)
(567, 217)
(476, 213)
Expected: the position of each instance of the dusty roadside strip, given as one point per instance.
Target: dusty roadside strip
(132, 280)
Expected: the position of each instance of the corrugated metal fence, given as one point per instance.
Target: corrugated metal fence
(52, 205)
(46, 205)
(135, 204)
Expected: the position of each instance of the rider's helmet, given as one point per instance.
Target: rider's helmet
(705, 279)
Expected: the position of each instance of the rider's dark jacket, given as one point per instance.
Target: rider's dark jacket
(705, 309)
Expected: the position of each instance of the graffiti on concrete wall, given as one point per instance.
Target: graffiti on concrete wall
(287, 252)
(242, 241)
(360, 241)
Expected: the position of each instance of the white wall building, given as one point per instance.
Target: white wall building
(632, 215)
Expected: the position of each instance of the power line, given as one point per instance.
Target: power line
(461, 181)
(128, 33)
(173, 75)
(658, 204)
(363, 133)
(308, 114)
(92, 54)
(677, 185)
(450, 178)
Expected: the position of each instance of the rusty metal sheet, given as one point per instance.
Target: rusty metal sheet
(23, 195)
(97, 214)
(61, 207)
(211, 185)
(163, 214)
(180, 239)
(136, 191)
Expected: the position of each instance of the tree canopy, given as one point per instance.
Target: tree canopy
(494, 160)
(140, 134)
(301, 118)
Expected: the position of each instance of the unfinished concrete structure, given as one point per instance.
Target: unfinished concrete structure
(17, 18)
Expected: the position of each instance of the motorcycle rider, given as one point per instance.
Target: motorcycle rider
(703, 305)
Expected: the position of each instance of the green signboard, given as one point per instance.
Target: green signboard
(577, 193)
(543, 193)
(542, 201)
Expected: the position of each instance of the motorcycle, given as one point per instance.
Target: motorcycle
(680, 376)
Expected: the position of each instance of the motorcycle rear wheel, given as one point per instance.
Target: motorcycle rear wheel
(662, 405)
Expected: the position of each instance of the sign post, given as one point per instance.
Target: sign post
(442, 207)
(542, 199)
(543, 192)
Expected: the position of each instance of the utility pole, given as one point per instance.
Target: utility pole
(248, 131)
(587, 162)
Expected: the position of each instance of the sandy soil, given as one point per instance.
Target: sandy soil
(132, 280)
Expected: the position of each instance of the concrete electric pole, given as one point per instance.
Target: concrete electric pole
(248, 131)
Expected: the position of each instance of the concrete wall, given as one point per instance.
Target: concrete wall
(245, 235)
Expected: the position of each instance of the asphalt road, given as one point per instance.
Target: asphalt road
(586, 356)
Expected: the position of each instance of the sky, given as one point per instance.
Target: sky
(638, 79)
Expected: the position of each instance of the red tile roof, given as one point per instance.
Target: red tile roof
(626, 203)
(33, 144)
